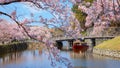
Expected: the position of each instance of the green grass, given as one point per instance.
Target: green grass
(113, 44)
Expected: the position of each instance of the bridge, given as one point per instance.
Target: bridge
(71, 39)
(107, 33)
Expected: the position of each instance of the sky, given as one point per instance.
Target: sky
(23, 11)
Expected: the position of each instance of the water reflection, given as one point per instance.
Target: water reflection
(93, 61)
(78, 60)
(18, 57)
(38, 59)
(12, 57)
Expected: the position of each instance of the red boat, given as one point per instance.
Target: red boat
(79, 47)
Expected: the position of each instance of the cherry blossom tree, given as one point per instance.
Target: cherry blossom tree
(4, 32)
(60, 18)
(101, 14)
(10, 31)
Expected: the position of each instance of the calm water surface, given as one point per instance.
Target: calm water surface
(39, 59)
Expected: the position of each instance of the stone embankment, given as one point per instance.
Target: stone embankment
(107, 52)
(14, 47)
(35, 45)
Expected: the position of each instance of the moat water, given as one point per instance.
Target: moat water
(39, 59)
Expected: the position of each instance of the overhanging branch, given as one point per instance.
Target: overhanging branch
(18, 24)
(9, 2)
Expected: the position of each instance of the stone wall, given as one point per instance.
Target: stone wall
(98, 41)
(107, 52)
(112, 31)
(35, 45)
(13, 47)
(20, 46)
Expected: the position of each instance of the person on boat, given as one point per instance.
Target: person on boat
(76, 45)
(79, 46)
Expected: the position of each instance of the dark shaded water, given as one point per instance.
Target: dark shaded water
(39, 59)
